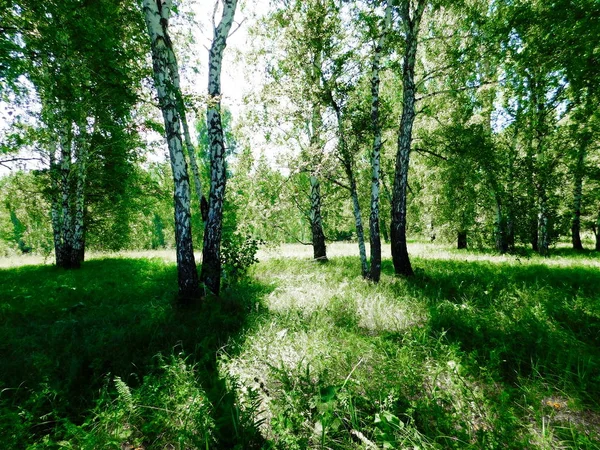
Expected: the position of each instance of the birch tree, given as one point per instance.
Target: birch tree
(211, 257)
(157, 14)
(410, 15)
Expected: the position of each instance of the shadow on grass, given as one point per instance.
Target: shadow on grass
(66, 332)
(518, 321)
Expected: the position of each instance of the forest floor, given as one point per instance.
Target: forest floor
(474, 351)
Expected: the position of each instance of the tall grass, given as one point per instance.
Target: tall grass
(475, 351)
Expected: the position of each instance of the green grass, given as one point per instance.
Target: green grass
(475, 351)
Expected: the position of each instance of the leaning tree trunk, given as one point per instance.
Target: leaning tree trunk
(577, 196)
(374, 235)
(157, 16)
(400, 257)
(348, 164)
(316, 221)
(191, 151)
(211, 256)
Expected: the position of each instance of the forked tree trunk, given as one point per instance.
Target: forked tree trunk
(374, 235)
(211, 253)
(577, 196)
(316, 221)
(157, 16)
(412, 22)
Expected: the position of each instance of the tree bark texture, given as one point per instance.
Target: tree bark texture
(211, 256)
(577, 196)
(348, 168)
(316, 221)
(66, 198)
(374, 228)
(191, 151)
(157, 13)
(78, 223)
(400, 256)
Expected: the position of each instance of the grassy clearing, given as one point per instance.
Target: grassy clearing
(475, 351)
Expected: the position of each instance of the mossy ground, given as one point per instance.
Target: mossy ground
(475, 351)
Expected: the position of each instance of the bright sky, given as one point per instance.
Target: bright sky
(235, 74)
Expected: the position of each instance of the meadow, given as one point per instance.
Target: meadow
(476, 351)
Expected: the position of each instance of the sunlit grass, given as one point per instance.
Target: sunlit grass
(476, 351)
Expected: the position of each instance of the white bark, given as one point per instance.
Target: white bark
(374, 228)
(157, 13)
(78, 223)
(211, 253)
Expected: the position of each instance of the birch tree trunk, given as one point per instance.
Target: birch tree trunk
(211, 256)
(577, 196)
(374, 236)
(157, 13)
(81, 152)
(316, 221)
(191, 151)
(348, 168)
(65, 189)
(55, 208)
(542, 226)
(400, 256)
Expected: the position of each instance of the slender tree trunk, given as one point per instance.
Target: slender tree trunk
(348, 164)
(78, 223)
(542, 226)
(375, 239)
(157, 16)
(400, 257)
(55, 209)
(316, 222)
(191, 151)
(598, 233)
(577, 196)
(501, 228)
(65, 181)
(461, 240)
(211, 253)
(360, 233)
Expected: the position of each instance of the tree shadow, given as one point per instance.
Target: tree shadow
(517, 320)
(69, 331)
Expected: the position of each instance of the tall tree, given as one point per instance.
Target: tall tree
(157, 14)
(211, 258)
(410, 15)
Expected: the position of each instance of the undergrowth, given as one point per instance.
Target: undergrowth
(473, 353)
